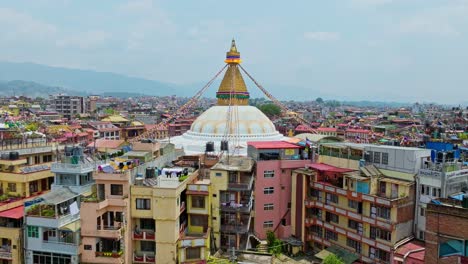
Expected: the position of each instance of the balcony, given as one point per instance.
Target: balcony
(144, 257)
(80, 168)
(109, 254)
(60, 247)
(242, 207)
(245, 184)
(5, 254)
(144, 235)
(239, 227)
(109, 231)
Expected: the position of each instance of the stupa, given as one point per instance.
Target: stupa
(232, 119)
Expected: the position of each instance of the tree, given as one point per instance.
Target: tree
(332, 259)
(270, 110)
(319, 100)
(275, 245)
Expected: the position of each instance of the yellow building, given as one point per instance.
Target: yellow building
(158, 216)
(24, 172)
(194, 244)
(232, 184)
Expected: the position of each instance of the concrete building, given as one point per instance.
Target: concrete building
(232, 180)
(106, 130)
(446, 230)
(361, 199)
(275, 160)
(67, 105)
(52, 220)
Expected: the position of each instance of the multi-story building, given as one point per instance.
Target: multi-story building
(437, 179)
(275, 160)
(24, 173)
(232, 180)
(106, 130)
(180, 126)
(67, 105)
(362, 201)
(52, 220)
(446, 230)
(158, 214)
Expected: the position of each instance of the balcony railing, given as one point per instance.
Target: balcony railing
(73, 168)
(239, 227)
(141, 257)
(4, 254)
(144, 235)
(243, 206)
(109, 254)
(242, 185)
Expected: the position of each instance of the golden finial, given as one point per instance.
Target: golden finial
(233, 46)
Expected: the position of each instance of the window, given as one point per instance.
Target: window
(373, 232)
(376, 157)
(330, 217)
(148, 246)
(37, 159)
(316, 194)
(330, 235)
(116, 189)
(434, 192)
(199, 220)
(268, 207)
(143, 204)
(332, 198)
(353, 204)
(269, 174)
(422, 189)
(192, 253)
(268, 224)
(383, 212)
(380, 254)
(12, 187)
(289, 205)
(198, 201)
(385, 158)
(317, 230)
(384, 234)
(439, 192)
(421, 211)
(353, 224)
(354, 244)
(52, 233)
(88, 247)
(369, 156)
(421, 234)
(47, 158)
(383, 187)
(268, 190)
(33, 231)
(218, 174)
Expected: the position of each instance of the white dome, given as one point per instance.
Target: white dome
(253, 125)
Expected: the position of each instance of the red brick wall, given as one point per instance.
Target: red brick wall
(443, 220)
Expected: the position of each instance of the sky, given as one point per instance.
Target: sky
(391, 50)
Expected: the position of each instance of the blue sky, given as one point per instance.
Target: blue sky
(406, 50)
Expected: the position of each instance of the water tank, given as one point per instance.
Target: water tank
(68, 150)
(139, 181)
(209, 146)
(150, 172)
(14, 155)
(77, 151)
(224, 145)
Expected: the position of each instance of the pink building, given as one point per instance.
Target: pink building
(274, 162)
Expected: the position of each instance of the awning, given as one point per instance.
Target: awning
(73, 226)
(345, 256)
(14, 213)
(328, 168)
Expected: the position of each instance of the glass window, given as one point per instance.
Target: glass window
(376, 157)
(269, 174)
(332, 198)
(353, 204)
(116, 189)
(422, 211)
(192, 253)
(268, 190)
(354, 244)
(198, 201)
(143, 204)
(12, 187)
(383, 212)
(385, 158)
(148, 246)
(33, 231)
(268, 224)
(330, 217)
(330, 235)
(268, 207)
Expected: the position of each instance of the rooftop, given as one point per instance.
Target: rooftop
(237, 163)
(272, 145)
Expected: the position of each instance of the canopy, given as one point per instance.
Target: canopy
(14, 213)
(345, 256)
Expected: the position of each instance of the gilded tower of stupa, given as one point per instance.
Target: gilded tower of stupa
(233, 90)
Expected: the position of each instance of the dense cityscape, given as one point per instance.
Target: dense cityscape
(101, 179)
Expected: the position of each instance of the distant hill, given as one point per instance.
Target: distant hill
(31, 89)
(85, 81)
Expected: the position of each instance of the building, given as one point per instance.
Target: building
(360, 198)
(24, 173)
(67, 105)
(52, 220)
(180, 126)
(274, 160)
(232, 181)
(106, 130)
(231, 119)
(446, 233)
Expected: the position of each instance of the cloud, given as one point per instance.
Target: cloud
(17, 26)
(86, 40)
(322, 36)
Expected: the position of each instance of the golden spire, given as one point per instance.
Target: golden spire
(232, 89)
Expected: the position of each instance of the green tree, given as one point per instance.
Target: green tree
(319, 100)
(270, 110)
(332, 259)
(275, 245)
